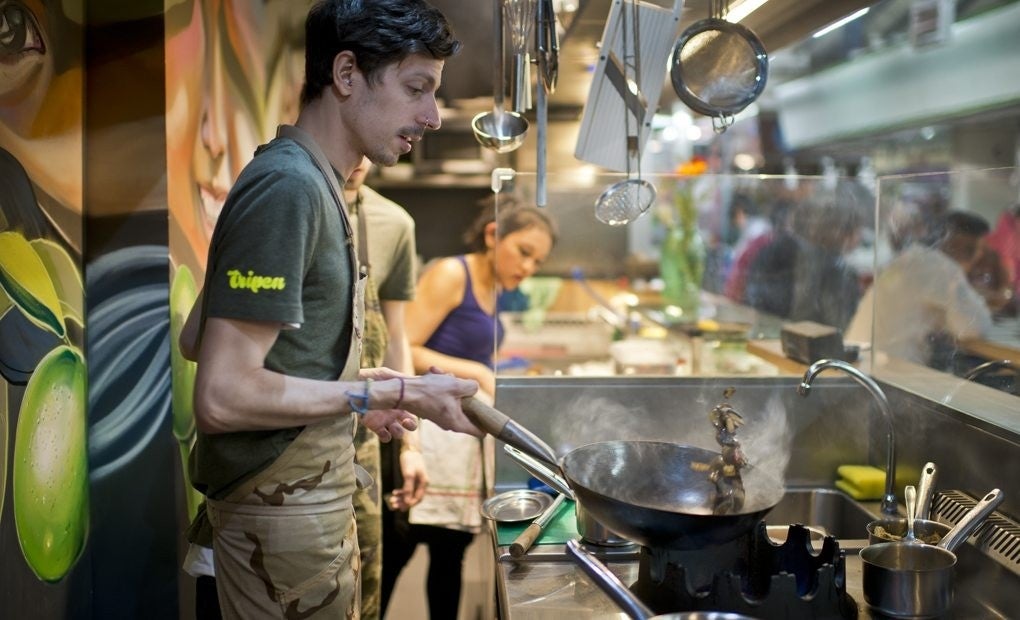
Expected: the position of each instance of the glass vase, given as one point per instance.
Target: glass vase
(681, 266)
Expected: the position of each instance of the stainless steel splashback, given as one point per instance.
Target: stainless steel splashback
(836, 425)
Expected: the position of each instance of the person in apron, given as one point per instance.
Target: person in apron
(453, 322)
(386, 250)
(278, 389)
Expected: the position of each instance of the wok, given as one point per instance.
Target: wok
(648, 492)
(645, 491)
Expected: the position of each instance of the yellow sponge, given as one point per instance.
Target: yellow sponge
(862, 482)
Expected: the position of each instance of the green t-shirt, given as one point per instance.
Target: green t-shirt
(279, 253)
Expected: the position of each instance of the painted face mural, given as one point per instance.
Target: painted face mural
(234, 70)
(233, 73)
(43, 422)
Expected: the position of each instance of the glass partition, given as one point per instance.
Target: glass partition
(945, 297)
(716, 263)
(919, 273)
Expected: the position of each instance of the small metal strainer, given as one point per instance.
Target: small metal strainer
(624, 201)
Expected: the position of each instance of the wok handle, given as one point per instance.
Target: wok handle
(925, 491)
(539, 470)
(500, 426)
(609, 582)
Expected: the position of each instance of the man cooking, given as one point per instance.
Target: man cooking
(278, 387)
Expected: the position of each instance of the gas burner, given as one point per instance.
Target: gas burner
(751, 575)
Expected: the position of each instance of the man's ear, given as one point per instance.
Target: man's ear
(345, 67)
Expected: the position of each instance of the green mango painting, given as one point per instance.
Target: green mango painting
(49, 468)
(50, 476)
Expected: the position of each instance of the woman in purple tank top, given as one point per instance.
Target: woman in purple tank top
(453, 325)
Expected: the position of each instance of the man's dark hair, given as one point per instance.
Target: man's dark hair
(378, 32)
(966, 223)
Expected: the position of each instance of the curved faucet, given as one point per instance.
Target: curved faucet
(981, 369)
(889, 500)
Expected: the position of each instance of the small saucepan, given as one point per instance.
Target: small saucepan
(912, 579)
(622, 596)
(927, 531)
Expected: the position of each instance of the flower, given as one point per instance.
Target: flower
(682, 213)
(695, 166)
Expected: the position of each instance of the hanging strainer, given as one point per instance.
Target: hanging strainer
(718, 68)
(625, 201)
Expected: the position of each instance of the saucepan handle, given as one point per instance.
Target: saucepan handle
(972, 520)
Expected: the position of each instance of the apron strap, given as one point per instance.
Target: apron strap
(308, 143)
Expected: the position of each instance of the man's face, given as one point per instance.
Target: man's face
(961, 247)
(394, 112)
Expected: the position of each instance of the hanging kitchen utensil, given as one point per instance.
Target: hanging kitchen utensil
(718, 67)
(627, 200)
(548, 44)
(520, 16)
(544, 16)
(500, 130)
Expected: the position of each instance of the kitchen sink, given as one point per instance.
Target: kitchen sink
(825, 511)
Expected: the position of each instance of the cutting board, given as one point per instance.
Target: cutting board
(562, 528)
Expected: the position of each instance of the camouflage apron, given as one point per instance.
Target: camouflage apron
(285, 541)
(368, 501)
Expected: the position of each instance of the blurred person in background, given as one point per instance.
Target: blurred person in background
(1005, 239)
(922, 299)
(826, 288)
(988, 274)
(755, 230)
(453, 323)
(737, 281)
(386, 250)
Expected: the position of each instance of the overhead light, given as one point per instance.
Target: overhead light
(742, 10)
(840, 23)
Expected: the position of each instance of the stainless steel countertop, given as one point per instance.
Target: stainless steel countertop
(547, 585)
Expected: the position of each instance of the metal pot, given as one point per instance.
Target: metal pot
(892, 530)
(646, 491)
(912, 579)
(622, 596)
(593, 532)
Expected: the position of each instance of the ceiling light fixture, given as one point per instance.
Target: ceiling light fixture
(743, 9)
(840, 23)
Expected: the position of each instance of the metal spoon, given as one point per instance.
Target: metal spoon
(910, 493)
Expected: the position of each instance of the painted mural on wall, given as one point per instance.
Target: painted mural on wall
(234, 71)
(44, 476)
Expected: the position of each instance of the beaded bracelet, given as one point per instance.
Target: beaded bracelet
(359, 402)
(400, 398)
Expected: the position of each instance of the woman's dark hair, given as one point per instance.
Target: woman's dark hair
(378, 32)
(513, 216)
